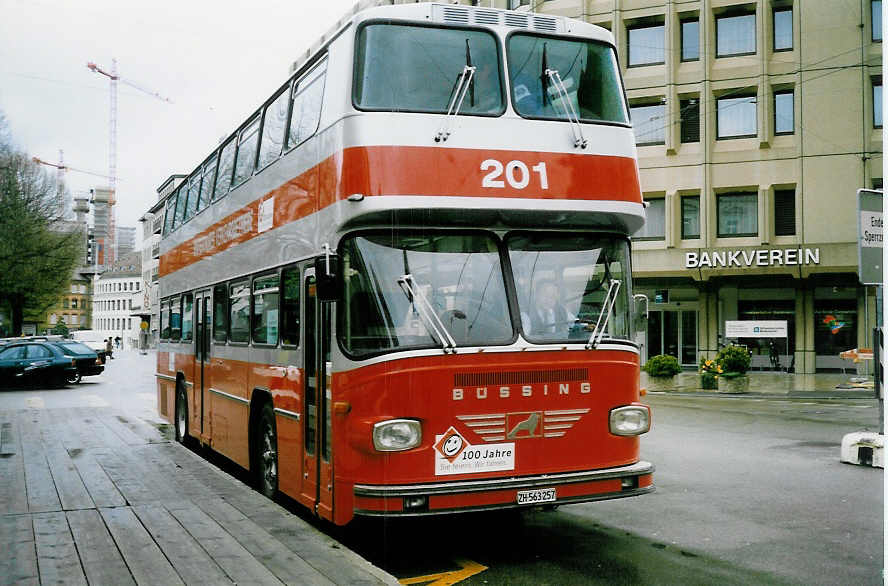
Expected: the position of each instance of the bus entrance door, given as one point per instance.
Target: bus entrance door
(317, 482)
(203, 326)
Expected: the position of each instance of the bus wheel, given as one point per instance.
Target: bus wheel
(181, 416)
(266, 453)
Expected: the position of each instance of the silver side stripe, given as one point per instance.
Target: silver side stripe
(290, 414)
(228, 396)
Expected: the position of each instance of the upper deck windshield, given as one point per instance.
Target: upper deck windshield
(588, 74)
(418, 69)
(419, 290)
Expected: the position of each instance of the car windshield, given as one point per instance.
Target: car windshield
(420, 69)
(551, 77)
(404, 290)
(566, 285)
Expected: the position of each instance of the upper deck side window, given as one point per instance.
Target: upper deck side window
(417, 69)
(590, 79)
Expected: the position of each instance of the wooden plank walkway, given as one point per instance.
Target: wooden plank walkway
(88, 496)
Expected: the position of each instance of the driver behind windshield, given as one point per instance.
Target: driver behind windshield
(548, 318)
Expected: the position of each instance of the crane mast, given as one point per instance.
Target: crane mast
(110, 247)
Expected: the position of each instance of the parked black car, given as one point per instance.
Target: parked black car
(87, 361)
(34, 363)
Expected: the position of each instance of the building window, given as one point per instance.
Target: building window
(737, 215)
(877, 183)
(649, 124)
(876, 12)
(690, 120)
(736, 117)
(735, 35)
(647, 45)
(784, 112)
(877, 102)
(690, 216)
(783, 29)
(655, 221)
(784, 212)
(690, 40)
(74, 304)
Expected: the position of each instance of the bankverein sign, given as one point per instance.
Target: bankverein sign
(762, 257)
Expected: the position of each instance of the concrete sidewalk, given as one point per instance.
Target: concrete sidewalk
(764, 383)
(92, 496)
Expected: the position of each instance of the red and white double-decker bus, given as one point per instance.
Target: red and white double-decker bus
(403, 285)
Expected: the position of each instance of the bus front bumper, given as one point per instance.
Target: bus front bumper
(438, 498)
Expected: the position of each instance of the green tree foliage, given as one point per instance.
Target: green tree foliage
(38, 249)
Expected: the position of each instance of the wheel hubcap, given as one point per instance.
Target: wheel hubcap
(180, 417)
(269, 458)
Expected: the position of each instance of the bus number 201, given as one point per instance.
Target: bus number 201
(516, 173)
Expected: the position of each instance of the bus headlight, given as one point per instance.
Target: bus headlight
(630, 420)
(396, 435)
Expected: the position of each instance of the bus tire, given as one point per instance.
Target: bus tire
(180, 418)
(265, 456)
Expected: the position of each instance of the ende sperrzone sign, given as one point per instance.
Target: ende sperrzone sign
(869, 236)
(762, 257)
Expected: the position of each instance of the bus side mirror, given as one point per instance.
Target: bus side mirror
(327, 276)
(639, 312)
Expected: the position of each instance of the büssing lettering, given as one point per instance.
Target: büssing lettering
(504, 392)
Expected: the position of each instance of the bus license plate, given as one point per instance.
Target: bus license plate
(532, 497)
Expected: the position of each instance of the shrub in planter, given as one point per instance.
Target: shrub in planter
(734, 359)
(662, 365)
(709, 373)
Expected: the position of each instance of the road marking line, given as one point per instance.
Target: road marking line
(95, 401)
(469, 569)
(35, 402)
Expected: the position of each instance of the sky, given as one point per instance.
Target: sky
(217, 61)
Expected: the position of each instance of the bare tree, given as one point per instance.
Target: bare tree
(38, 251)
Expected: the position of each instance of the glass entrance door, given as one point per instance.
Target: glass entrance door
(673, 333)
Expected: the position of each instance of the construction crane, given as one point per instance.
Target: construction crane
(114, 77)
(62, 167)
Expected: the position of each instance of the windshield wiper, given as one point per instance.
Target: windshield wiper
(463, 85)
(606, 310)
(427, 313)
(567, 105)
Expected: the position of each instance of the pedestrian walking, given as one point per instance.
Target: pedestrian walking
(109, 348)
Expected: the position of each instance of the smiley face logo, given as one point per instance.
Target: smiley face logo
(451, 444)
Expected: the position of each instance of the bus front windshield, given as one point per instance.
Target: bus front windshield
(405, 290)
(559, 78)
(567, 285)
(422, 290)
(404, 68)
